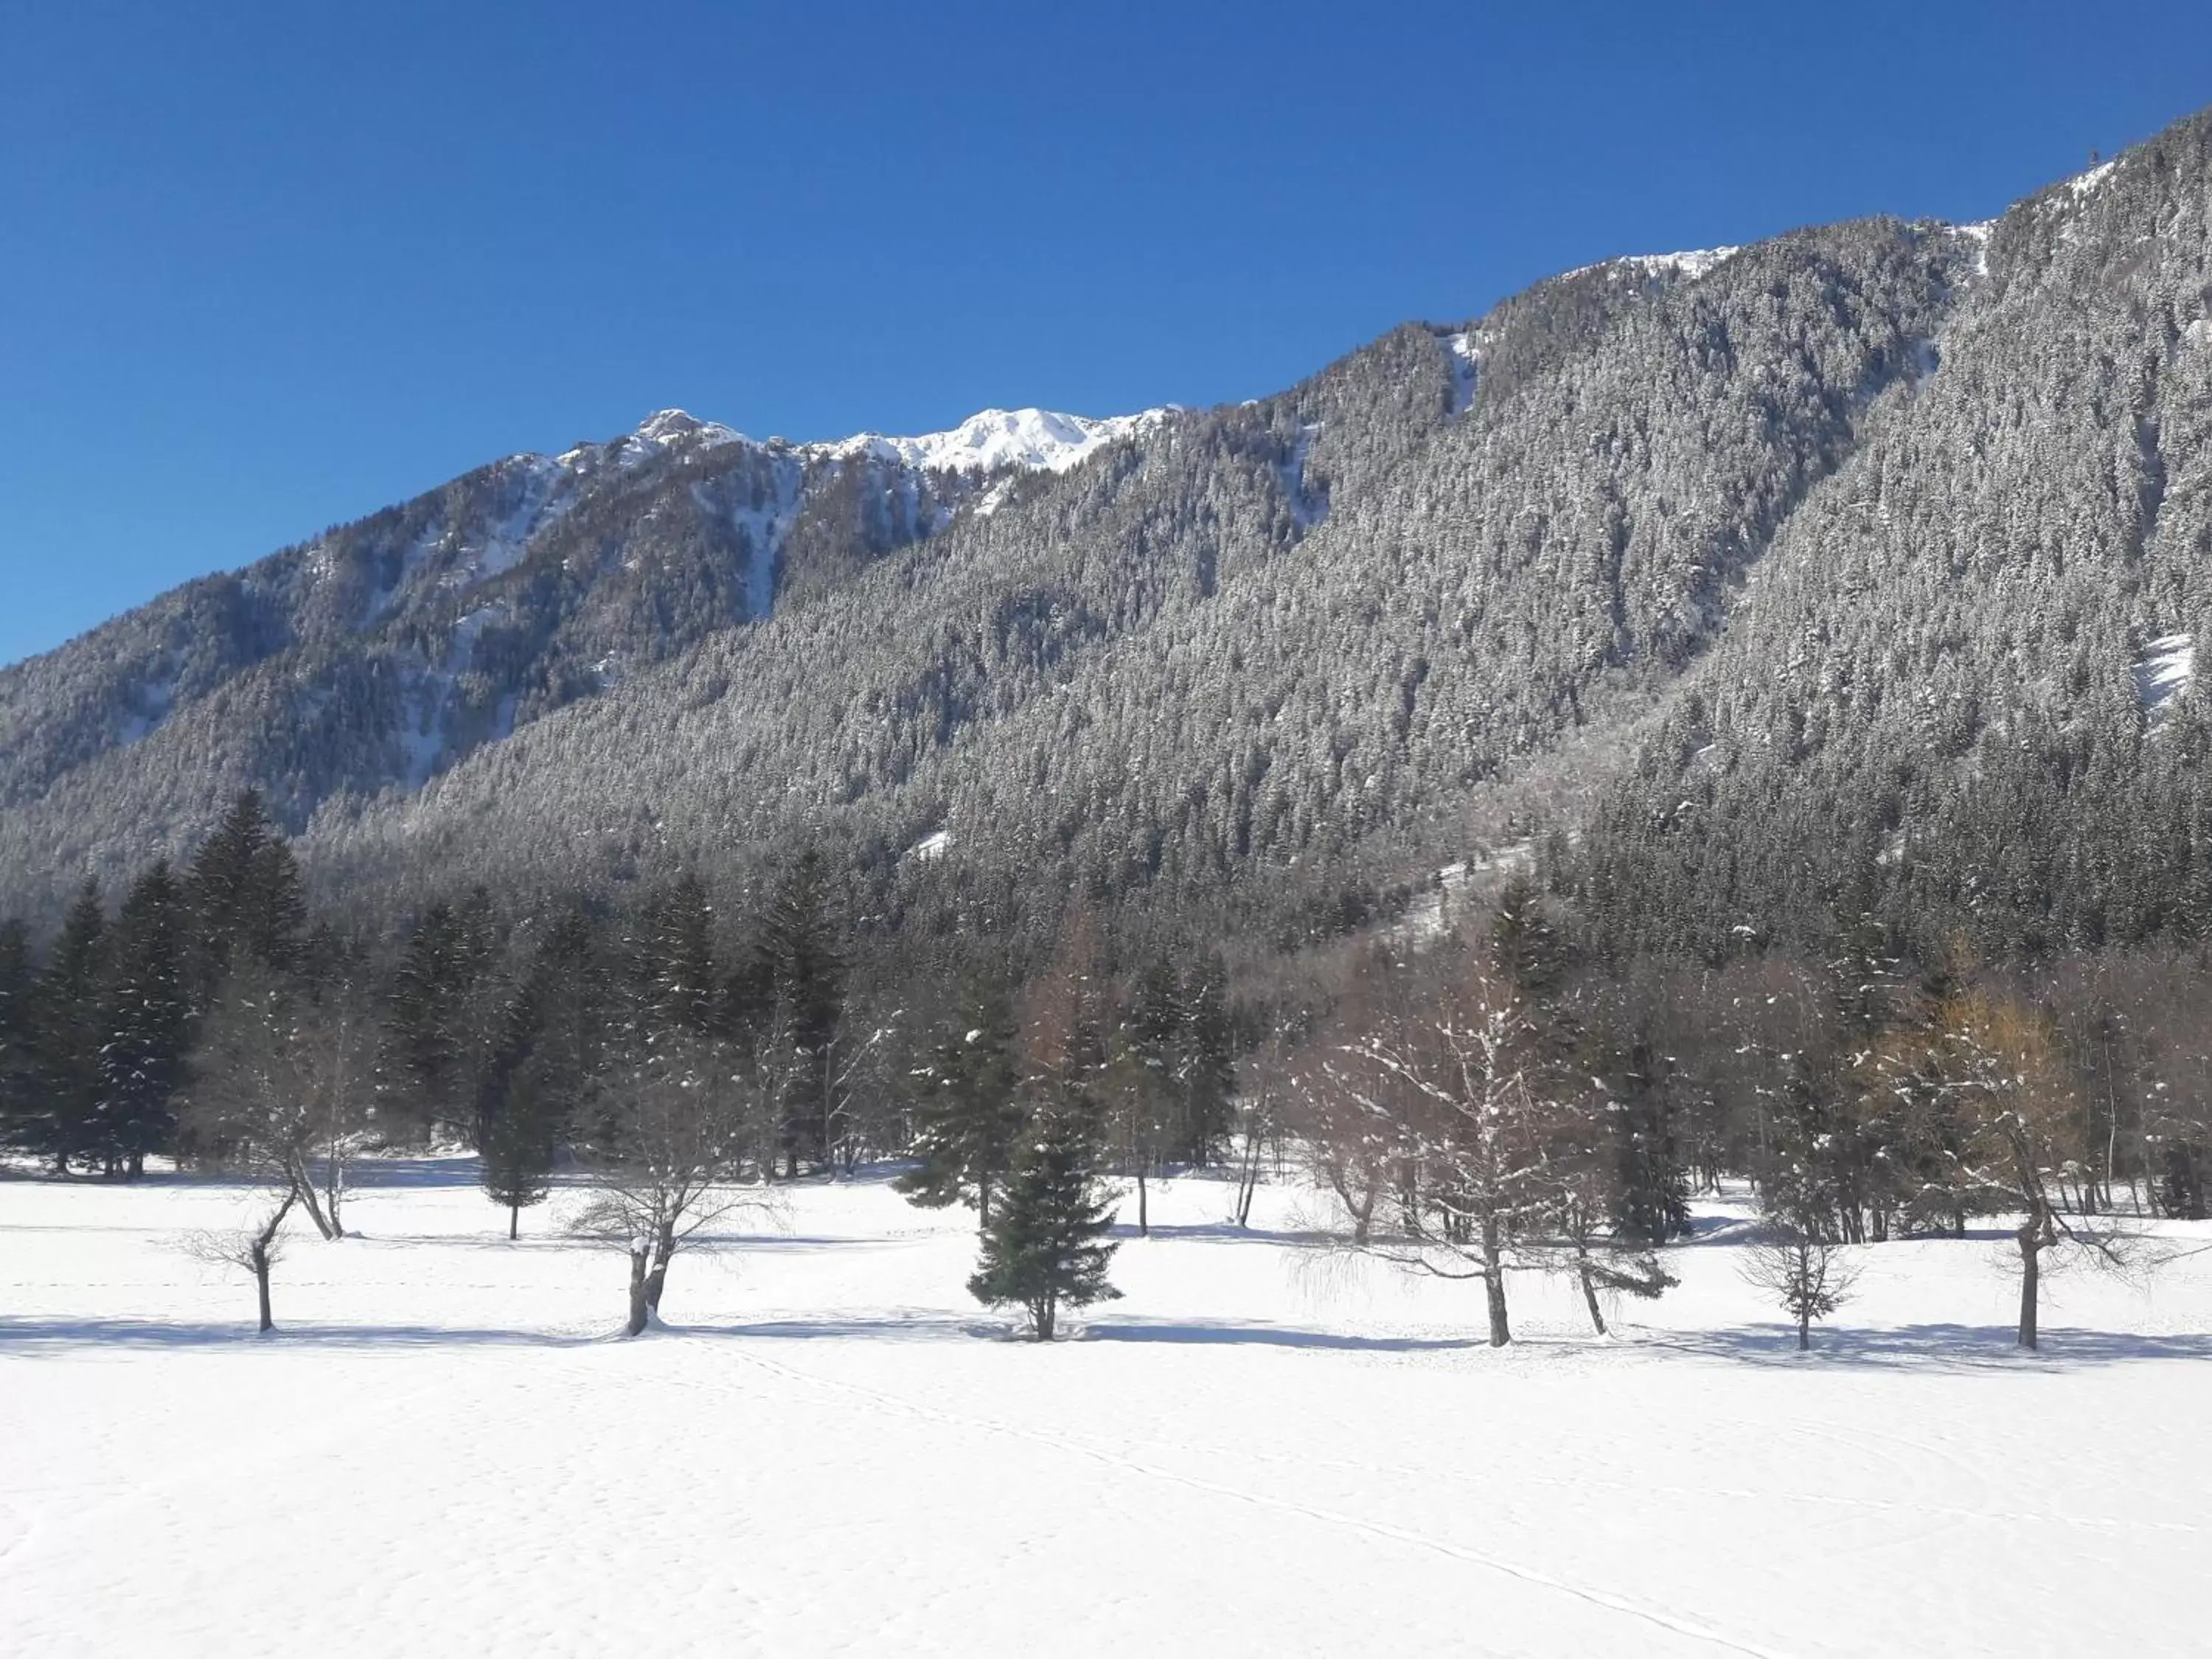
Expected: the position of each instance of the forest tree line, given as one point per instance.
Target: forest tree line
(1501, 1094)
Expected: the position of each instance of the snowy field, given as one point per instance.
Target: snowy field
(1258, 1451)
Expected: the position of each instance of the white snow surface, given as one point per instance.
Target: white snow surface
(1466, 367)
(2166, 667)
(1038, 440)
(2085, 184)
(1033, 439)
(1262, 1450)
(1690, 264)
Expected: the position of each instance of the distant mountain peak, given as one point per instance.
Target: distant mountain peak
(1035, 440)
(1038, 440)
(1689, 263)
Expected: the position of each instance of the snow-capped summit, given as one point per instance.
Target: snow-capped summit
(1037, 439)
(669, 426)
(1689, 264)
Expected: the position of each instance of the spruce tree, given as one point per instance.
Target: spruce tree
(1044, 1249)
(220, 884)
(674, 962)
(553, 1041)
(439, 1027)
(146, 1022)
(966, 1118)
(66, 1038)
(17, 984)
(1147, 1093)
(1206, 1068)
(799, 962)
(1651, 1187)
(518, 1138)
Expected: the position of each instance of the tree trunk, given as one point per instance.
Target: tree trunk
(261, 1284)
(2031, 1253)
(1804, 1329)
(1589, 1298)
(1493, 1284)
(513, 1222)
(1044, 1313)
(303, 1188)
(334, 1188)
(657, 1279)
(639, 1307)
(1144, 1221)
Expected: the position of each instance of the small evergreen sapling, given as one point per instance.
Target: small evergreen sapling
(1809, 1277)
(1043, 1249)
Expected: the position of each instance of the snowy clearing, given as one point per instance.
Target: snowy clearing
(1259, 1450)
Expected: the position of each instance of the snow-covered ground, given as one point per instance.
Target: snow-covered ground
(1260, 1450)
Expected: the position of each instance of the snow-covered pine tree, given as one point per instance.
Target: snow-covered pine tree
(17, 983)
(1205, 1065)
(146, 1025)
(1045, 1249)
(220, 883)
(64, 1081)
(966, 1118)
(801, 966)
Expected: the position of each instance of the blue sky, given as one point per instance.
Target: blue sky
(265, 268)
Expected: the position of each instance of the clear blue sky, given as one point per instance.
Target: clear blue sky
(265, 267)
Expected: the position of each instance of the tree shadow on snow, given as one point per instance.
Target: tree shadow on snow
(1220, 1232)
(1231, 1335)
(54, 1336)
(1930, 1347)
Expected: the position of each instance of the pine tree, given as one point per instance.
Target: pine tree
(1145, 1090)
(553, 1042)
(519, 1139)
(66, 1039)
(273, 912)
(220, 883)
(1529, 954)
(799, 961)
(1206, 1068)
(1651, 1187)
(146, 1021)
(966, 1118)
(1043, 1251)
(674, 962)
(18, 981)
(438, 1028)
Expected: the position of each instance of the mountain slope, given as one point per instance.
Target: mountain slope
(1958, 698)
(1807, 541)
(1258, 643)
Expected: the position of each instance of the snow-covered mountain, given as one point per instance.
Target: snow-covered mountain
(1034, 439)
(1831, 564)
(1029, 439)
(380, 653)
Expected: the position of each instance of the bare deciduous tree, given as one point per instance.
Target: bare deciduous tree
(685, 1140)
(2021, 1132)
(1454, 1071)
(257, 1246)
